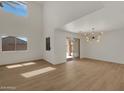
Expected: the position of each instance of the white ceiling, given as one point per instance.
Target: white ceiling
(39, 3)
(63, 12)
(67, 11)
(108, 18)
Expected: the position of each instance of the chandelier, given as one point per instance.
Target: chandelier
(91, 36)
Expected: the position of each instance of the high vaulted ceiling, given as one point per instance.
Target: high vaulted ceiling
(76, 16)
(108, 18)
(63, 12)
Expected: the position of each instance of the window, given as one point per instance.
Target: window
(15, 7)
(21, 43)
(12, 43)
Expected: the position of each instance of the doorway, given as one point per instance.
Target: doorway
(73, 48)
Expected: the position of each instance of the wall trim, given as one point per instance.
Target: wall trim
(100, 60)
(22, 62)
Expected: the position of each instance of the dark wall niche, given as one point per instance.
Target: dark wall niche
(48, 43)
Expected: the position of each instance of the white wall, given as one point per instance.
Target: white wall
(111, 47)
(30, 27)
(49, 17)
(60, 47)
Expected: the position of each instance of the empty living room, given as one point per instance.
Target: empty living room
(61, 46)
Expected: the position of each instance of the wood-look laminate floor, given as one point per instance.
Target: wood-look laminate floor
(75, 75)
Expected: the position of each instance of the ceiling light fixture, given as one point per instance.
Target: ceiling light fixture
(91, 36)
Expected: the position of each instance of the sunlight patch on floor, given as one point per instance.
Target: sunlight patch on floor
(27, 64)
(20, 65)
(14, 66)
(37, 72)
